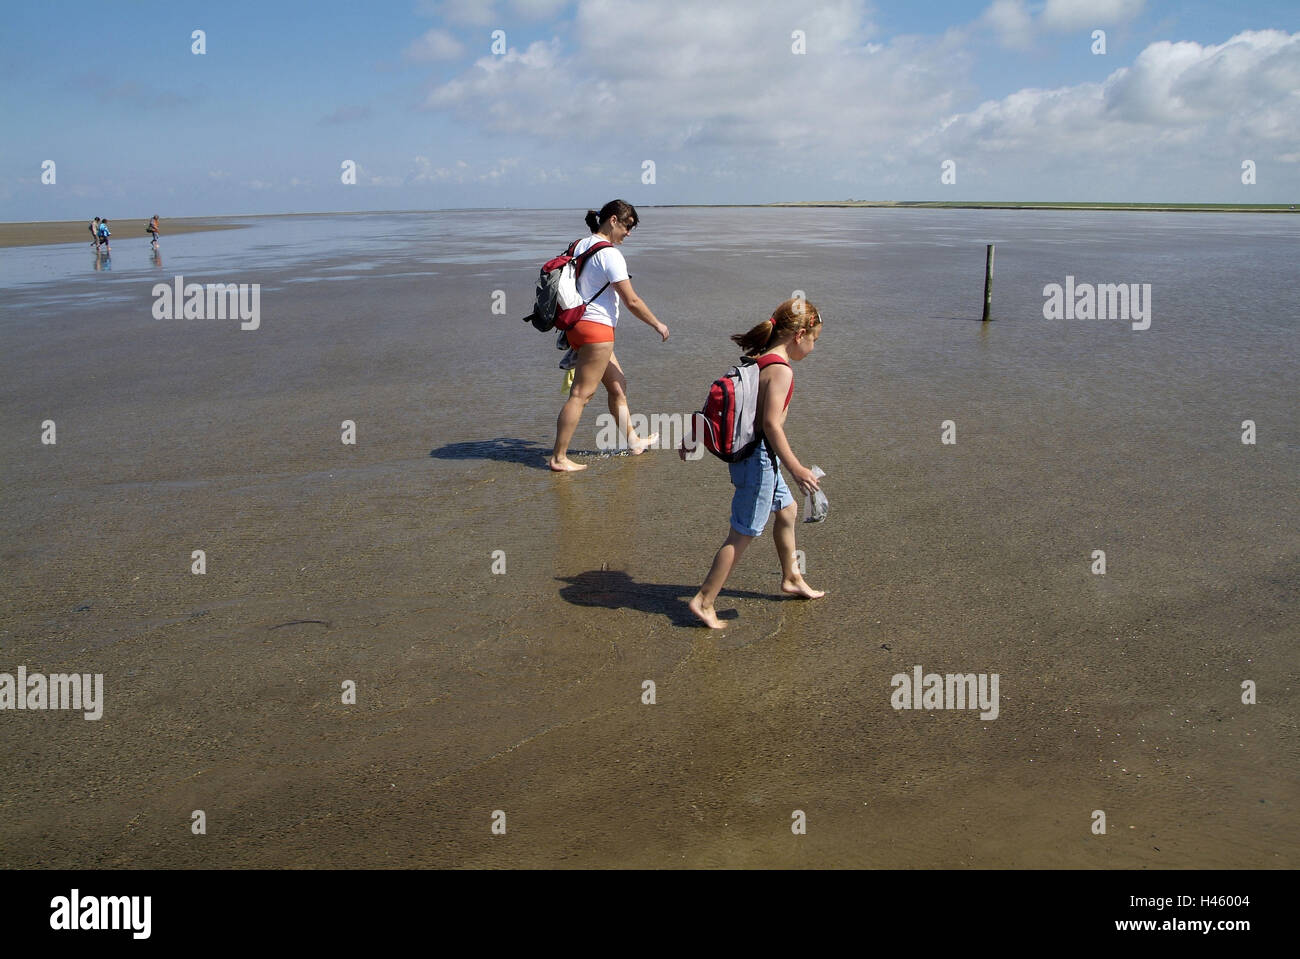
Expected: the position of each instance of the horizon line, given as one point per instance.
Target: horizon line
(1282, 207)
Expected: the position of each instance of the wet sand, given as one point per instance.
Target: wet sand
(75, 231)
(522, 692)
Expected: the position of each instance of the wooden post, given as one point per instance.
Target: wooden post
(988, 283)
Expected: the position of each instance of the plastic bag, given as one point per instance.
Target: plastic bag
(815, 505)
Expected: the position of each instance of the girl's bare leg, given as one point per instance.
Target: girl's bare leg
(724, 562)
(592, 360)
(792, 580)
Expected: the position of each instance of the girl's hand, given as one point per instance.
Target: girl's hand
(806, 480)
(663, 331)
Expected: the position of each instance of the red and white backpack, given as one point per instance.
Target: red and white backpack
(728, 422)
(557, 303)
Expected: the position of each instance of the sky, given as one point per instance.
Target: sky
(437, 104)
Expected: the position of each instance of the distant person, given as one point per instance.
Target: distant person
(593, 336)
(787, 336)
(152, 230)
(94, 233)
(104, 235)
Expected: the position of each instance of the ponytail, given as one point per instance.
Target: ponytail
(788, 319)
(620, 208)
(756, 340)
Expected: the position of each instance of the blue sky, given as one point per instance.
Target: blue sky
(587, 92)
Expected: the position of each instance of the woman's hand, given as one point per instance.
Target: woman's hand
(662, 330)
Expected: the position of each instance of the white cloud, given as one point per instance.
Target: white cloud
(1065, 15)
(1011, 21)
(1208, 99)
(434, 45)
(481, 13)
(500, 169)
(424, 171)
(1017, 26)
(715, 94)
(659, 77)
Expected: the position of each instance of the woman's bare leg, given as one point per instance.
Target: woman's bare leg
(616, 388)
(587, 375)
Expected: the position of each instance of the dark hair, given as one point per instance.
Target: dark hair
(620, 208)
(790, 317)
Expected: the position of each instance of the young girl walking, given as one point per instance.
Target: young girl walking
(786, 337)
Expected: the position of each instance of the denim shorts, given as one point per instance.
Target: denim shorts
(760, 490)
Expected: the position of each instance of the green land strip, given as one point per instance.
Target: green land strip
(1047, 205)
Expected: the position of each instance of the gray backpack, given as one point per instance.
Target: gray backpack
(556, 303)
(729, 418)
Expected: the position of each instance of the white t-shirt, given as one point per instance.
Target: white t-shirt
(609, 265)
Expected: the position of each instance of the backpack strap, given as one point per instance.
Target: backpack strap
(773, 359)
(587, 254)
(582, 259)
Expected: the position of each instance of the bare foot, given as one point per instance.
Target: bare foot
(640, 446)
(705, 613)
(565, 465)
(796, 586)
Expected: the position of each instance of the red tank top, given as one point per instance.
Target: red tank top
(767, 359)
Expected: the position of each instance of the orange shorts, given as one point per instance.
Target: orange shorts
(589, 331)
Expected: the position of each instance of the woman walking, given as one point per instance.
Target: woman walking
(593, 336)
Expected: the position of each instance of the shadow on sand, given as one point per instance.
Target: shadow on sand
(507, 450)
(502, 449)
(615, 589)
